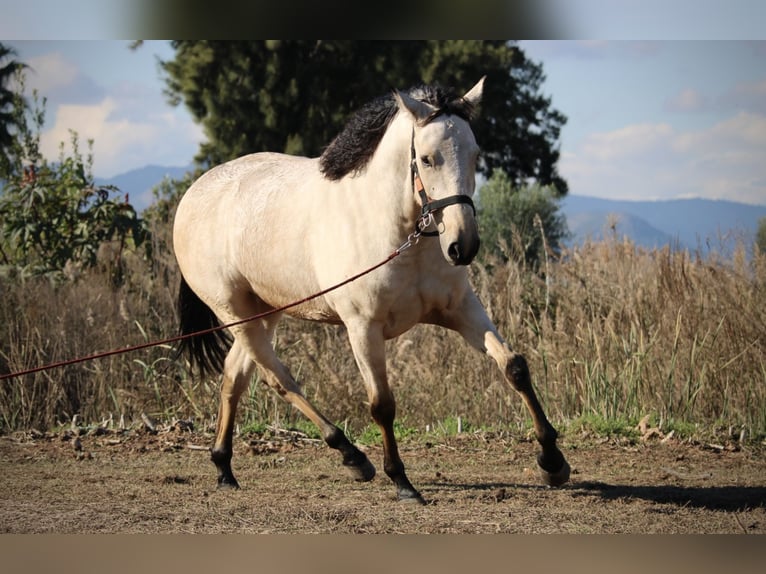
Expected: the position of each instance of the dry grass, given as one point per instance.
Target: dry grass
(616, 332)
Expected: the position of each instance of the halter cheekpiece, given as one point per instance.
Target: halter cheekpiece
(430, 206)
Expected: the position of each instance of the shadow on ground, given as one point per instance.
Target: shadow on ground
(729, 498)
(726, 498)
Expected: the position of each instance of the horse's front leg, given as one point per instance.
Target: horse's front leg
(471, 321)
(368, 344)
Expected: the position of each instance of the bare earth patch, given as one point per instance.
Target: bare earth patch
(135, 481)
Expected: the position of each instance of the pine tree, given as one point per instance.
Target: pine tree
(294, 96)
(9, 99)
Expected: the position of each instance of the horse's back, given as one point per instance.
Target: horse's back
(240, 191)
(245, 177)
(237, 228)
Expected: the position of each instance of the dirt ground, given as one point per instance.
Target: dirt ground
(136, 481)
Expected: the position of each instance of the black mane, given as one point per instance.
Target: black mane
(353, 147)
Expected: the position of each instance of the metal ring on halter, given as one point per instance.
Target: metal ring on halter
(425, 220)
(412, 239)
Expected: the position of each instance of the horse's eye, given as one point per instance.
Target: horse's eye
(426, 160)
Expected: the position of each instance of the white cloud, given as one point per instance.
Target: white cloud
(162, 137)
(656, 161)
(630, 141)
(51, 71)
(124, 113)
(61, 81)
(743, 132)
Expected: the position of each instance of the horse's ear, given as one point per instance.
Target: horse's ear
(473, 96)
(419, 110)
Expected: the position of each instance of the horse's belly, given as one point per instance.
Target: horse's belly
(308, 312)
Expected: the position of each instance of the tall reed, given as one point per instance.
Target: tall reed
(612, 331)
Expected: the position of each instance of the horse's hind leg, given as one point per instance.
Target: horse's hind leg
(237, 372)
(278, 377)
(471, 321)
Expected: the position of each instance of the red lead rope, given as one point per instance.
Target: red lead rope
(411, 240)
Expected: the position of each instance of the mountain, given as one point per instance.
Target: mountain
(138, 183)
(596, 225)
(692, 224)
(703, 224)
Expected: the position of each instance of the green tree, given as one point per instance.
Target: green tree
(294, 96)
(9, 101)
(519, 223)
(52, 214)
(760, 236)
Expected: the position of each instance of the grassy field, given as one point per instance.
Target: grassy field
(612, 333)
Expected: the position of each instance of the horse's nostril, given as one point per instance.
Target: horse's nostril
(454, 252)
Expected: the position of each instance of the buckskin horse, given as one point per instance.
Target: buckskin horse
(256, 233)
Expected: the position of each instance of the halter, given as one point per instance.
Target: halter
(430, 206)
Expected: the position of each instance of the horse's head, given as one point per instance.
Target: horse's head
(444, 160)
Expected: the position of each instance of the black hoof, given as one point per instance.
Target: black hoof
(554, 477)
(227, 483)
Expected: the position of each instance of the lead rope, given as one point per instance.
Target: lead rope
(412, 239)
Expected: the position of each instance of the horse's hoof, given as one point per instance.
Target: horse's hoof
(363, 472)
(556, 478)
(409, 497)
(228, 483)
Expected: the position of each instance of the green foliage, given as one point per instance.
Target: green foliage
(294, 96)
(371, 435)
(760, 237)
(603, 426)
(52, 215)
(519, 223)
(9, 101)
(451, 426)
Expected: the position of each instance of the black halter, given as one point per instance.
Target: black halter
(430, 206)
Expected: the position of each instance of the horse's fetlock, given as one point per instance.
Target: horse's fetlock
(336, 439)
(517, 370)
(220, 456)
(393, 469)
(548, 437)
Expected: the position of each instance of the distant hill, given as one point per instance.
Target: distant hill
(703, 224)
(596, 225)
(138, 183)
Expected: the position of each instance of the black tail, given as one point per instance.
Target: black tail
(206, 352)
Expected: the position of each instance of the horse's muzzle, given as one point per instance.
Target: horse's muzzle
(463, 252)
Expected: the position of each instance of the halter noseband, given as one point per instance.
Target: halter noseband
(430, 206)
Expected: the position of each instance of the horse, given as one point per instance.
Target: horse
(256, 233)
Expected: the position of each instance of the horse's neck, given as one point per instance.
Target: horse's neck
(389, 180)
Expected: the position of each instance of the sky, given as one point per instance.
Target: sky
(114, 95)
(652, 119)
(659, 119)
